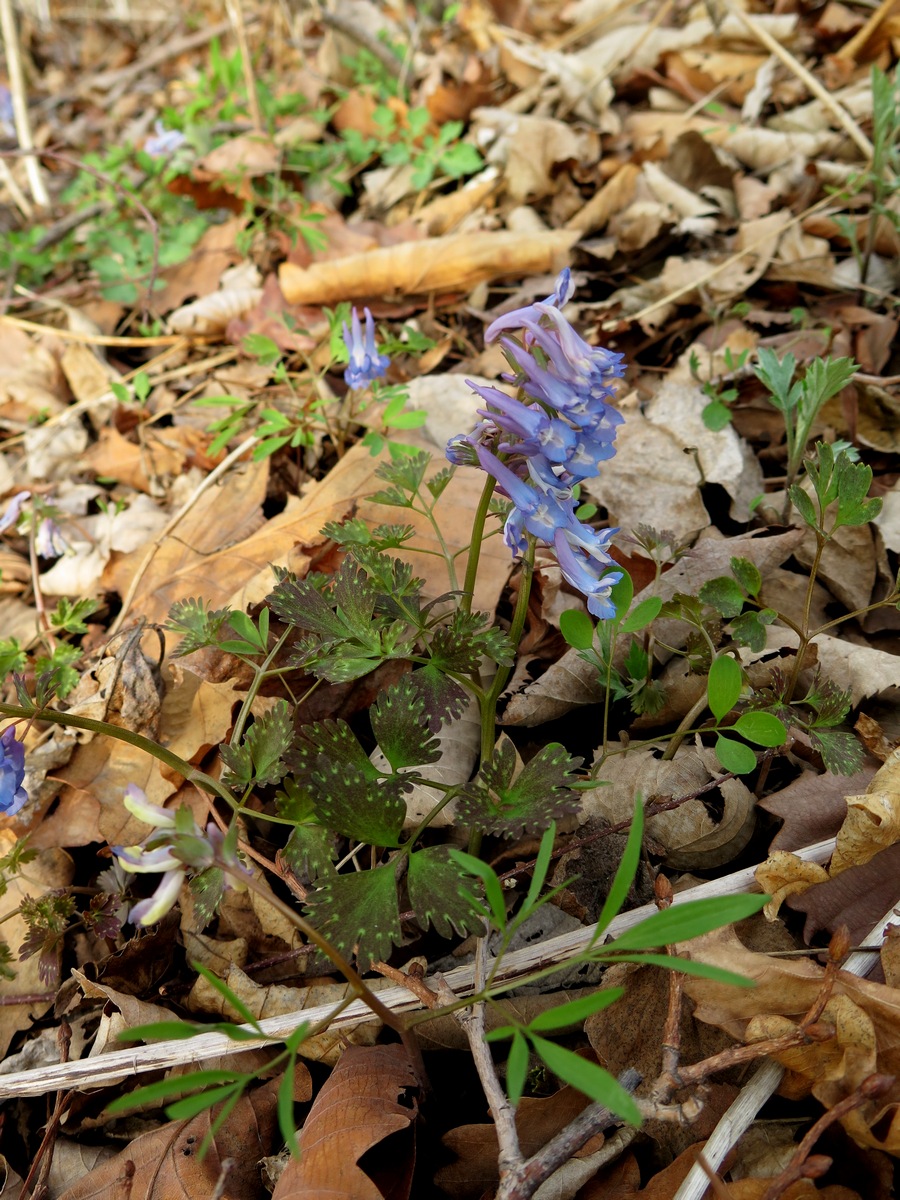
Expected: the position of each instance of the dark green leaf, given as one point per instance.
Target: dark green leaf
(360, 909)
(517, 1068)
(841, 752)
(259, 759)
(747, 574)
(309, 852)
(749, 629)
(398, 722)
(687, 966)
(803, 505)
(497, 803)
(724, 595)
(439, 893)
(444, 699)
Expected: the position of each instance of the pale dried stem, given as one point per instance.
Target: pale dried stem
(236, 17)
(742, 1113)
(121, 1064)
(17, 91)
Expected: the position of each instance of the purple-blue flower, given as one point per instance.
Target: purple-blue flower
(163, 142)
(557, 432)
(49, 541)
(365, 363)
(12, 773)
(13, 510)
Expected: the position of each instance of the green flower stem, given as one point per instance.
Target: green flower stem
(71, 721)
(805, 637)
(481, 513)
(684, 728)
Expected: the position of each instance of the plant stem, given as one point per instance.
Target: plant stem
(260, 673)
(70, 720)
(481, 513)
(805, 638)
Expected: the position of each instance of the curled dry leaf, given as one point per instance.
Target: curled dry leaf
(213, 312)
(689, 836)
(788, 988)
(863, 670)
(370, 1095)
(455, 263)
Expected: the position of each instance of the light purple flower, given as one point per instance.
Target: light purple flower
(163, 142)
(49, 541)
(13, 511)
(365, 363)
(12, 773)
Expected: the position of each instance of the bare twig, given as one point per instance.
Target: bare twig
(236, 17)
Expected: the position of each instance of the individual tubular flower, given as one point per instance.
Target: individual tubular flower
(49, 541)
(556, 433)
(163, 142)
(177, 845)
(12, 773)
(365, 363)
(13, 510)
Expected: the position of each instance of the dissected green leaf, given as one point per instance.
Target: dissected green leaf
(842, 753)
(439, 893)
(747, 574)
(197, 625)
(399, 724)
(259, 759)
(444, 699)
(360, 908)
(497, 803)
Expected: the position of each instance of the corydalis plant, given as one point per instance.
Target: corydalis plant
(555, 433)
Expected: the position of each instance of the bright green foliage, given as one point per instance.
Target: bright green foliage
(197, 625)
(69, 615)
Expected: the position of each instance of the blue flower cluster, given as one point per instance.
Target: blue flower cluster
(365, 363)
(557, 433)
(12, 773)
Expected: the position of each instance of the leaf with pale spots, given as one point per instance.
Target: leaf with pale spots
(259, 758)
(360, 910)
(309, 852)
(398, 722)
(498, 803)
(438, 893)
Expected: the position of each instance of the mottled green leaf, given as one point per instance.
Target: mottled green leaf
(440, 893)
(497, 803)
(399, 724)
(360, 909)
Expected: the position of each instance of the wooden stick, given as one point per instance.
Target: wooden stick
(20, 105)
(111, 1068)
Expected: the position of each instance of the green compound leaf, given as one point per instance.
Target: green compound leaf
(398, 722)
(298, 602)
(724, 685)
(735, 756)
(761, 728)
(681, 922)
(587, 1077)
(803, 504)
(259, 759)
(747, 574)
(309, 852)
(360, 909)
(724, 595)
(197, 625)
(497, 803)
(444, 698)
(438, 893)
(841, 753)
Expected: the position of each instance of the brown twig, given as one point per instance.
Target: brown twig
(802, 1166)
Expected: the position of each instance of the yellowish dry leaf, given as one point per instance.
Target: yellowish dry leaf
(456, 263)
(784, 874)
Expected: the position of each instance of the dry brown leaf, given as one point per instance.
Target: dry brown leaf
(201, 271)
(783, 875)
(133, 464)
(688, 835)
(455, 263)
(813, 806)
(272, 1000)
(165, 1164)
(787, 988)
(858, 897)
(31, 382)
(370, 1096)
(863, 670)
(529, 149)
(570, 682)
(537, 1120)
(86, 374)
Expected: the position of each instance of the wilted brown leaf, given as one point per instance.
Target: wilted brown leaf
(369, 1101)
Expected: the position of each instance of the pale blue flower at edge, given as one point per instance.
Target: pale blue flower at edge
(168, 850)
(12, 773)
(366, 364)
(556, 434)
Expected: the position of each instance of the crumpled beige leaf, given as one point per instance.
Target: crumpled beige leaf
(784, 874)
(688, 834)
(455, 263)
(873, 820)
(861, 669)
(528, 148)
(787, 988)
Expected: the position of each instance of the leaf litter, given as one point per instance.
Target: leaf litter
(208, 203)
